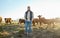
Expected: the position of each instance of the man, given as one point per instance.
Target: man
(28, 20)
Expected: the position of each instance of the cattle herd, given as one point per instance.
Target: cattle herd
(39, 20)
(7, 20)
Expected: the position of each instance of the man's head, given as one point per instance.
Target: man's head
(28, 8)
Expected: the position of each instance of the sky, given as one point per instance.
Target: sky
(16, 9)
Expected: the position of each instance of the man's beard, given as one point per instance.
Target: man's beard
(28, 10)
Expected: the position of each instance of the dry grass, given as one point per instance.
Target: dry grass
(39, 30)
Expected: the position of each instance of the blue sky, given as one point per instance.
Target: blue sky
(16, 8)
(9, 7)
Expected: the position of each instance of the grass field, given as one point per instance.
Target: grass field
(17, 31)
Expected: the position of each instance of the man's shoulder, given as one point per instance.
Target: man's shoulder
(31, 11)
(27, 11)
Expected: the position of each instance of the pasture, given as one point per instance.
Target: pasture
(16, 30)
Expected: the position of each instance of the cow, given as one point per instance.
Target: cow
(45, 21)
(35, 20)
(8, 20)
(21, 21)
(0, 19)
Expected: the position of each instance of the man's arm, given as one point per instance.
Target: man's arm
(32, 15)
(25, 16)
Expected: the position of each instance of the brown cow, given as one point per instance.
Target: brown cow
(21, 21)
(35, 20)
(0, 19)
(46, 21)
(8, 20)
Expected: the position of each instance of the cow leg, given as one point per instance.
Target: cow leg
(40, 23)
(53, 25)
(47, 26)
(37, 22)
(10, 22)
(6, 22)
(20, 23)
(33, 24)
(0, 22)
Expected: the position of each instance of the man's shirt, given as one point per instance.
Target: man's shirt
(28, 16)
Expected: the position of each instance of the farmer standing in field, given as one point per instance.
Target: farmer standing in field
(28, 20)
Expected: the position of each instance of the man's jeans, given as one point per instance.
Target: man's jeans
(28, 25)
